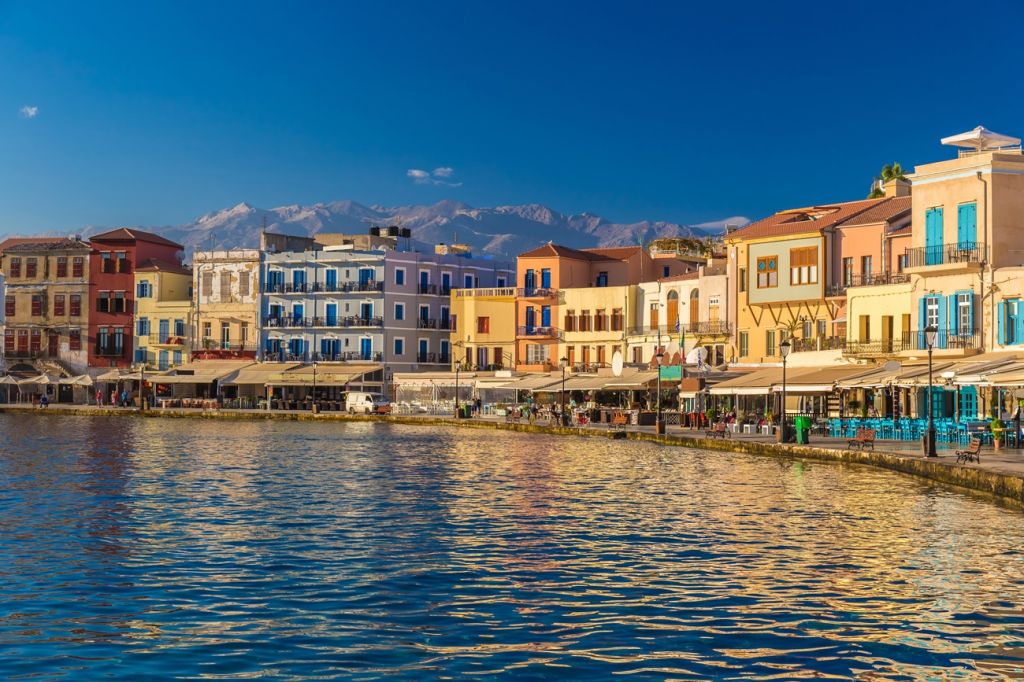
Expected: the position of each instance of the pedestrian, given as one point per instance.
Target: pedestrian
(44, 401)
(113, 397)
(99, 397)
(124, 397)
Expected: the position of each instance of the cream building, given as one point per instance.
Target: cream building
(483, 328)
(226, 292)
(595, 325)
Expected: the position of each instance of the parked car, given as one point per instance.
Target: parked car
(358, 402)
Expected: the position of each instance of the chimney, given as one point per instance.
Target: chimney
(897, 187)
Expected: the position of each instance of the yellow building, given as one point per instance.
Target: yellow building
(483, 328)
(595, 324)
(163, 308)
(226, 287)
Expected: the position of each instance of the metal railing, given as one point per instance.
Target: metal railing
(943, 254)
(428, 358)
(286, 322)
(347, 356)
(716, 328)
(944, 339)
(878, 279)
(818, 343)
(320, 287)
(541, 293)
(427, 323)
(108, 352)
(539, 332)
(867, 348)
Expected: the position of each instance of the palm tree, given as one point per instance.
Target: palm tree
(890, 171)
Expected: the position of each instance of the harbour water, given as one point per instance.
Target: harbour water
(159, 548)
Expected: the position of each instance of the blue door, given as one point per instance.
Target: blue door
(330, 348)
(545, 278)
(424, 281)
(365, 275)
(165, 330)
(366, 311)
(297, 313)
(299, 280)
(162, 364)
(332, 315)
(332, 280)
(967, 225)
(545, 316)
(275, 281)
(366, 348)
(422, 356)
(297, 347)
(530, 281)
(529, 320)
(446, 283)
(933, 236)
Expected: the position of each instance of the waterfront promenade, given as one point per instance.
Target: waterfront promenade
(999, 473)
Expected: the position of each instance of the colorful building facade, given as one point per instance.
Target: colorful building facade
(163, 311)
(226, 304)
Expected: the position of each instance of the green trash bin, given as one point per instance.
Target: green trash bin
(803, 430)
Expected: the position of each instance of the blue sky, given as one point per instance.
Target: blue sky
(151, 114)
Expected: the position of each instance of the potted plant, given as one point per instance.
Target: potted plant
(998, 428)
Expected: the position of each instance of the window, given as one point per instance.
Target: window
(865, 267)
(666, 271)
(743, 279)
(483, 325)
(142, 326)
(243, 330)
(31, 267)
(177, 357)
(600, 321)
(769, 343)
(585, 321)
(400, 277)
(103, 302)
(179, 328)
(399, 311)
(9, 342)
(616, 319)
(75, 339)
(37, 305)
(803, 265)
(602, 279)
(570, 320)
(143, 290)
(78, 266)
(467, 281)
(76, 305)
(9, 305)
(967, 225)
(62, 266)
(537, 354)
(15, 267)
(119, 302)
(225, 285)
(225, 335)
(58, 304)
(744, 344)
(244, 284)
(767, 272)
(122, 262)
(965, 313)
(207, 284)
(545, 278)
(502, 282)
(848, 272)
(821, 328)
(931, 312)
(808, 326)
(399, 346)
(901, 262)
(207, 330)
(106, 262)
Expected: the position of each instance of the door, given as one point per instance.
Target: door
(332, 314)
(162, 362)
(529, 281)
(481, 358)
(332, 280)
(298, 280)
(887, 329)
(545, 316)
(424, 281)
(545, 278)
(297, 313)
(966, 225)
(165, 331)
(529, 320)
(366, 348)
(446, 283)
(365, 275)
(421, 355)
(53, 344)
(366, 311)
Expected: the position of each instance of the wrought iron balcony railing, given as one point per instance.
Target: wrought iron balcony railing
(944, 254)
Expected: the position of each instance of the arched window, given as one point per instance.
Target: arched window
(672, 316)
(694, 307)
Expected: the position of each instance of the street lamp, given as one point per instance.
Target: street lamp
(784, 349)
(563, 363)
(659, 425)
(930, 333)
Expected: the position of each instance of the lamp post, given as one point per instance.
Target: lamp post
(563, 363)
(784, 349)
(659, 425)
(313, 405)
(930, 333)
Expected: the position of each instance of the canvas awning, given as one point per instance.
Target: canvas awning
(755, 383)
(81, 380)
(337, 375)
(638, 381)
(117, 375)
(200, 372)
(41, 380)
(817, 379)
(588, 382)
(537, 381)
(257, 374)
(8, 380)
(876, 378)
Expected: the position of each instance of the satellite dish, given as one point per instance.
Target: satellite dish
(617, 363)
(892, 366)
(696, 356)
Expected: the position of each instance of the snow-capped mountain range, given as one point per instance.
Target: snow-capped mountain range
(500, 231)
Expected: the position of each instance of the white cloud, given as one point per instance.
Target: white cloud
(438, 176)
(28, 111)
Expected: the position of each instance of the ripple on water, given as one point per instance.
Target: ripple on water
(159, 548)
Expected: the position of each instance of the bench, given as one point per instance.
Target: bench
(971, 453)
(863, 439)
(619, 421)
(719, 430)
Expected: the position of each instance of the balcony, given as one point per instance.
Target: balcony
(169, 341)
(539, 293)
(868, 349)
(427, 289)
(962, 256)
(348, 356)
(717, 328)
(818, 343)
(108, 352)
(427, 323)
(538, 332)
(303, 322)
(428, 358)
(320, 287)
(878, 279)
(945, 339)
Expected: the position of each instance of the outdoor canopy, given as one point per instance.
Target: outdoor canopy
(981, 138)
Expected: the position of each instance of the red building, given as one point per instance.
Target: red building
(112, 290)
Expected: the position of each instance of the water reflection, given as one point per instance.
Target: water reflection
(140, 548)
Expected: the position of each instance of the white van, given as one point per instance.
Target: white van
(357, 402)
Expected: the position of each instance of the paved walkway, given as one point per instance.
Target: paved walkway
(1007, 461)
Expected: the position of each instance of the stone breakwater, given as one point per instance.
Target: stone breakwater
(1005, 486)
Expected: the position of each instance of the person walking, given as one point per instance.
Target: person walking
(99, 397)
(113, 397)
(124, 397)
(44, 401)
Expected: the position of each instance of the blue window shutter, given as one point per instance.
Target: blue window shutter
(970, 315)
(922, 317)
(953, 314)
(943, 337)
(966, 223)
